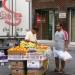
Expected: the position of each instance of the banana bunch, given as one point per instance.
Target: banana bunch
(23, 43)
(27, 44)
(31, 45)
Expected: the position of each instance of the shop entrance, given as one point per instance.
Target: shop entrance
(72, 24)
(45, 21)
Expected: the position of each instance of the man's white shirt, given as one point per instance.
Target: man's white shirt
(60, 38)
(30, 36)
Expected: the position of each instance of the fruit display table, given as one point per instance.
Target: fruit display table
(27, 55)
(29, 61)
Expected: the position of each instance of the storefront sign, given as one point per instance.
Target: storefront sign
(62, 15)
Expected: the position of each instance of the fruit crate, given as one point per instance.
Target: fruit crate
(18, 67)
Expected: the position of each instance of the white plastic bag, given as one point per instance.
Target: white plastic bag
(64, 55)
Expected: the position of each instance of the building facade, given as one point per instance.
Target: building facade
(47, 13)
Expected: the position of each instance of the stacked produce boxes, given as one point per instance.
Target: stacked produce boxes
(30, 56)
(17, 64)
(17, 68)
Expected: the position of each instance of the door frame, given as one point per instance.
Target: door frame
(71, 43)
(53, 23)
(70, 23)
(53, 26)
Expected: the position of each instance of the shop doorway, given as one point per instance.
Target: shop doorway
(45, 21)
(72, 24)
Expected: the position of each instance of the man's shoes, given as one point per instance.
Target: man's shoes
(56, 70)
(61, 71)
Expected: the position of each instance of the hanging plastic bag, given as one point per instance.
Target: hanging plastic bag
(64, 55)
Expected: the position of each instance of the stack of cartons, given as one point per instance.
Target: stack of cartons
(37, 60)
(36, 72)
(17, 72)
(17, 68)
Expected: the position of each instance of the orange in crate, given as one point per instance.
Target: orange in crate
(17, 50)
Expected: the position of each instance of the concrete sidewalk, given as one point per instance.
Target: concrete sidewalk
(69, 68)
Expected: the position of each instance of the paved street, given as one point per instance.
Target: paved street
(69, 69)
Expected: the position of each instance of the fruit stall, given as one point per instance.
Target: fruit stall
(28, 56)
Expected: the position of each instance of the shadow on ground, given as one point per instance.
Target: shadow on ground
(54, 73)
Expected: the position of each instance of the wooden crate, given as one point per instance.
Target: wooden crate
(17, 72)
(17, 64)
(35, 72)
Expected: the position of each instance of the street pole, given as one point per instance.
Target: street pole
(30, 13)
(30, 6)
(12, 17)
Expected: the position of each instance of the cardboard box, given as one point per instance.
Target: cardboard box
(13, 64)
(20, 65)
(16, 64)
(37, 64)
(45, 64)
(34, 64)
(35, 72)
(17, 72)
